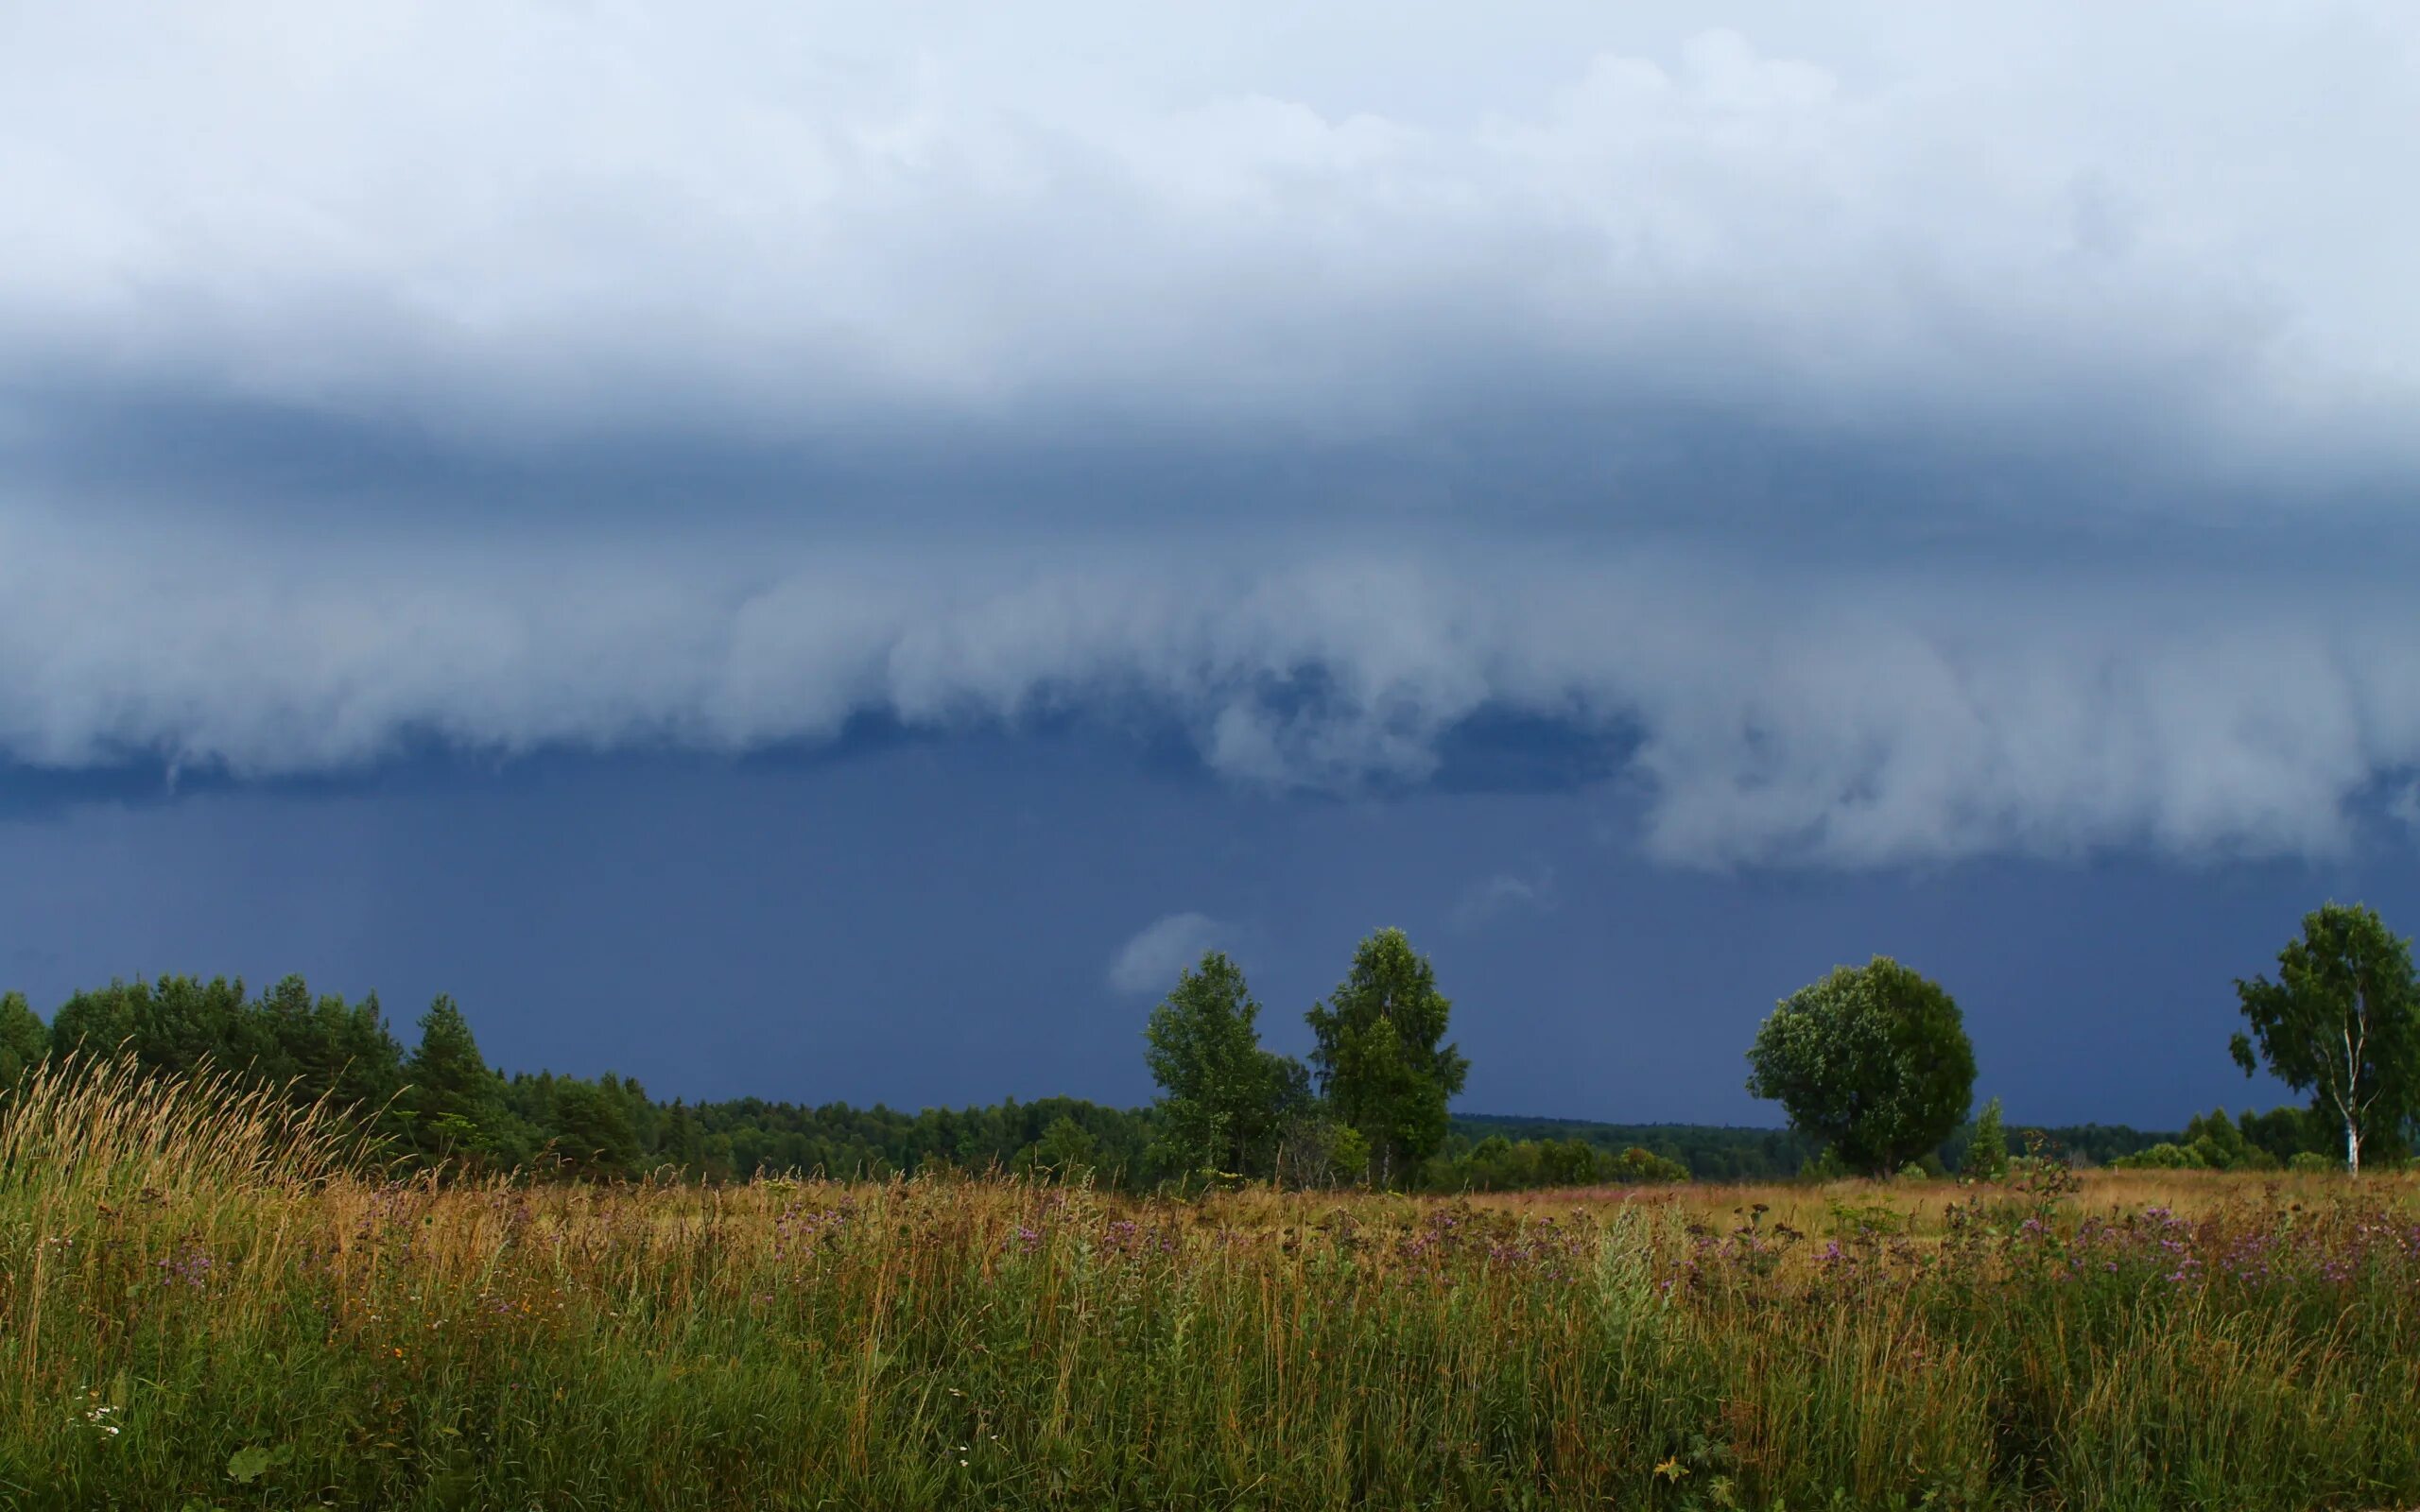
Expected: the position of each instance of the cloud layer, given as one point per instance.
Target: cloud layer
(1857, 719)
(764, 222)
(1922, 437)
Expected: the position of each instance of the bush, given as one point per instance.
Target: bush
(1640, 1165)
(2161, 1157)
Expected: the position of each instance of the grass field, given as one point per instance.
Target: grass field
(195, 1310)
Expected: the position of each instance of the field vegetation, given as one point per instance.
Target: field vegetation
(205, 1302)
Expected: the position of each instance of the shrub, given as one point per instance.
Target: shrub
(2161, 1157)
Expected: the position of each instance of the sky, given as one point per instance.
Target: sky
(825, 551)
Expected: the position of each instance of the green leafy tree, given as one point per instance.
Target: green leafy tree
(173, 1024)
(1872, 1061)
(1345, 1153)
(2342, 1022)
(23, 1039)
(453, 1098)
(2285, 1132)
(1382, 1065)
(1987, 1152)
(1223, 1097)
(1065, 1151)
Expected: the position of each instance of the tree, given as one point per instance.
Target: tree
(592, 1134)
(1377, 1053)
(23, 1039)
(2342, 1022)
(1987, 1152)
(453, 1098)
(1872, 1061)
(1063, 1153)
(1222, 1095)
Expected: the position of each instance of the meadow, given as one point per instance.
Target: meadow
(204, 1304)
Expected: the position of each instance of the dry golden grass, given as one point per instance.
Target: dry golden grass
(198, 1307)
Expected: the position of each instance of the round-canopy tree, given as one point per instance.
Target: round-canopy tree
(1872, 1061)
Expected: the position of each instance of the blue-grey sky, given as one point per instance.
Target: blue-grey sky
(822, 551)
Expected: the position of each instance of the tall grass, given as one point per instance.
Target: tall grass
(199, 1306)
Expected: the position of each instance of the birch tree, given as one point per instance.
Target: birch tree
(1379, 1055)
(2342, 1022)
(1222, 1095)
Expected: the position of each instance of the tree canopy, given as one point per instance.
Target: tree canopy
(1872, 1062)
(1379, 1055)
(1223, 1097)
(2342, 1022)
(25, 1040)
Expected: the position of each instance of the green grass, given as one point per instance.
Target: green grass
(262, 1331)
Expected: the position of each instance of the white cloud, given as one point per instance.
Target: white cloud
(2156, 223)
(1505, 891)
(1161, 952)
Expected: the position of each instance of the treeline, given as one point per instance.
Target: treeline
(1872, 1064)
(1708, 1152)
(2282, 1138)
(436, 1102)
(1714, 1152)
(439, 1103)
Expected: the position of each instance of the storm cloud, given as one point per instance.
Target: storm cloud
(1923, 437)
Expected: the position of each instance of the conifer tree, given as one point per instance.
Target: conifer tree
(1987, 1152)
(453, 1096)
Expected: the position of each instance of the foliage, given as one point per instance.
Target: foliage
(1498, 1164)
(2342, 1022)
(2164, 1156)
(1709, 1152)
(1065, 1152)
(1986, 1156)
(456, 1114)
(25, 1040)
(1224, 1101)
(1872, 1061)
(546, 1125)
(1382, 1067)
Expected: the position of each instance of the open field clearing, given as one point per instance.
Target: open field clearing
(195, 1314)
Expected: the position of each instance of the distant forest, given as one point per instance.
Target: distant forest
(438, 1102)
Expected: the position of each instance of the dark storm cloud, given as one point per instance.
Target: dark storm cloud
(1917, 438)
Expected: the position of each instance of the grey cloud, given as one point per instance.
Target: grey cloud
(1161, 950)
(2405, 806)
(1839, 716)
(768, 223)
(1922, 434)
